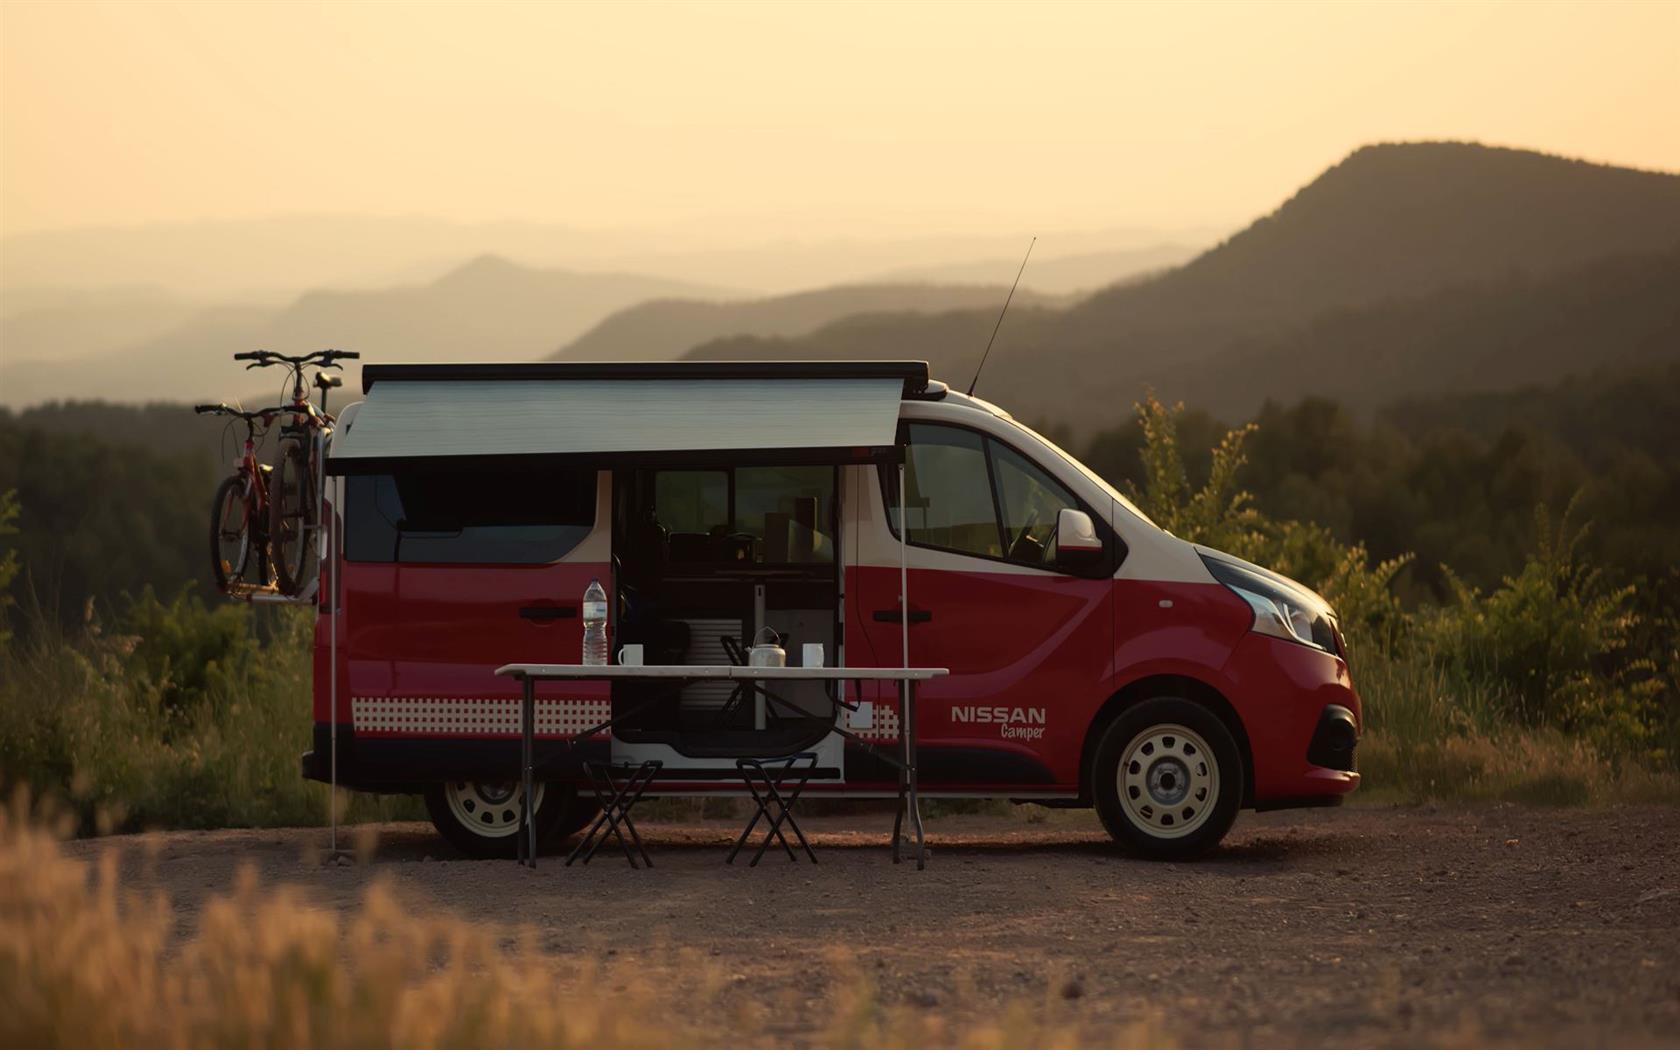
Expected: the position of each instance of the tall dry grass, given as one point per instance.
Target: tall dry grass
(1435, 735)
(90, 964)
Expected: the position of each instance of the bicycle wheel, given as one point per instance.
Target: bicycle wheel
(292, 513)
(230, 532)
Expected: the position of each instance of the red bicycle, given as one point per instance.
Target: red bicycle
(239, 513)
(294, 497)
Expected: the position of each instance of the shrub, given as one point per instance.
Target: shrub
(184, 716)
(1553, 640)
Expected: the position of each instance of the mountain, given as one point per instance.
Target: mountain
(663, 329)
(1517, 330)
(1057, 275)
(279, 257)
(489, 308)
(1388, 229)
(59, 323)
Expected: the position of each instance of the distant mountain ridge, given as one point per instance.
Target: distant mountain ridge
(488, 308)
(1391, 224)
(663, 329)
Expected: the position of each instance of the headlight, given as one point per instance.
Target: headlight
(1279, 611)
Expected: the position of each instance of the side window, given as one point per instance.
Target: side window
(970, 494)
(948, 492)
(455, 517)
(1029, 501)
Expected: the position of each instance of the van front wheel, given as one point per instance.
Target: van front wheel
(1168, 779)
(481, 818)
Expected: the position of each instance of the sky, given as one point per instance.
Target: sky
(743, 121)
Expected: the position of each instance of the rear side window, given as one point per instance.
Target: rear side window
(464, 517)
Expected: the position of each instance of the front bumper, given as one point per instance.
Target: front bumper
(1302, 717)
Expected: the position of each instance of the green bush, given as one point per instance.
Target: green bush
(1538, 690)
(181, 716)
(1553, 640)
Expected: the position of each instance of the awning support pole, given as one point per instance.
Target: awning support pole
(907, 791)
(324, 564)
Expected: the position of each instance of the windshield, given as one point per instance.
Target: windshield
(1095, 478)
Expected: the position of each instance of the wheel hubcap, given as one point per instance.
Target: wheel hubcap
(488, 809)
(1168, 780)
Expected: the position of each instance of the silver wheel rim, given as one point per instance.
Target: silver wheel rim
(488, 809)
(1168, 780)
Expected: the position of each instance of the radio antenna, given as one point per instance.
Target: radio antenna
(1001, 312)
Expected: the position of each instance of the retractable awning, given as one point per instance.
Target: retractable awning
(606, 414)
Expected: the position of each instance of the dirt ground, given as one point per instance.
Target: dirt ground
(1394, 926)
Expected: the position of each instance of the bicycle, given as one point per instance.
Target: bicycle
(239, 511)
(293, 505)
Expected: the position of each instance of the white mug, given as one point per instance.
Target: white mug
(813, 654)
(630, 656)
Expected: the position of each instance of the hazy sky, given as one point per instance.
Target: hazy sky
(744, 121)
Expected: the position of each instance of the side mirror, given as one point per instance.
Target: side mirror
(1076, 537)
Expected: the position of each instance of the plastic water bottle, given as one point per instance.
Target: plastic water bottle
(595, 625)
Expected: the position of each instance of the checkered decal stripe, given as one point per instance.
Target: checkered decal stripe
(459, 716)
(884, 725)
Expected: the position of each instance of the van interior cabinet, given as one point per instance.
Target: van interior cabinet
(708, 560)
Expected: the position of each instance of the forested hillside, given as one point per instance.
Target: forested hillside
(664, 328)
(1444, 266)
(115, 497)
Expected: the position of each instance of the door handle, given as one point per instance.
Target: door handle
(547, 612)
(897, 616)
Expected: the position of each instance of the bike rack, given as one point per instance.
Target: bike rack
(269, 594)
(326, 544)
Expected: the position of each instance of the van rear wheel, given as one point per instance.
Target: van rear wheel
(1167, 779)
(481, 817)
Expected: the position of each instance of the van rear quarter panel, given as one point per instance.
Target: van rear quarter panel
(440, 631)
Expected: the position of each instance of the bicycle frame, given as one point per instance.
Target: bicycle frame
(256, 484)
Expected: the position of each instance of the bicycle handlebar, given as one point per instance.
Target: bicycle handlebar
(325, 358)
(261, 413)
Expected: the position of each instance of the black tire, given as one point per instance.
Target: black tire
(231, 541)
(292, 514)
(1184, 787)
(560, 814)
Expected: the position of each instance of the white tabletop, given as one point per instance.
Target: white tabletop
(692, 671)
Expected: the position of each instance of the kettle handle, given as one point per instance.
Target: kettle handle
(775, 639)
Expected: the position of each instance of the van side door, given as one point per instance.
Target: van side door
(1028, 640)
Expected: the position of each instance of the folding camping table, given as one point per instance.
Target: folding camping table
(909, 803)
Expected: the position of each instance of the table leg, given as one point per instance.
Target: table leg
(527, 818)
(909, 724)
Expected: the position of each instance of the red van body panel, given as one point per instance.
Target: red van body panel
(1038, 646)
(439, 632)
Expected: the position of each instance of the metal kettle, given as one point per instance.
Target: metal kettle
(766, 653)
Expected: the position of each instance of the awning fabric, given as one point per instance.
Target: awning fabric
(609, 415)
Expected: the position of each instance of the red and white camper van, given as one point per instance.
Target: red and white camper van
(1095, 659)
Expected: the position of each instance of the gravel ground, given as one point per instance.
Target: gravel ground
(1395, 926)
